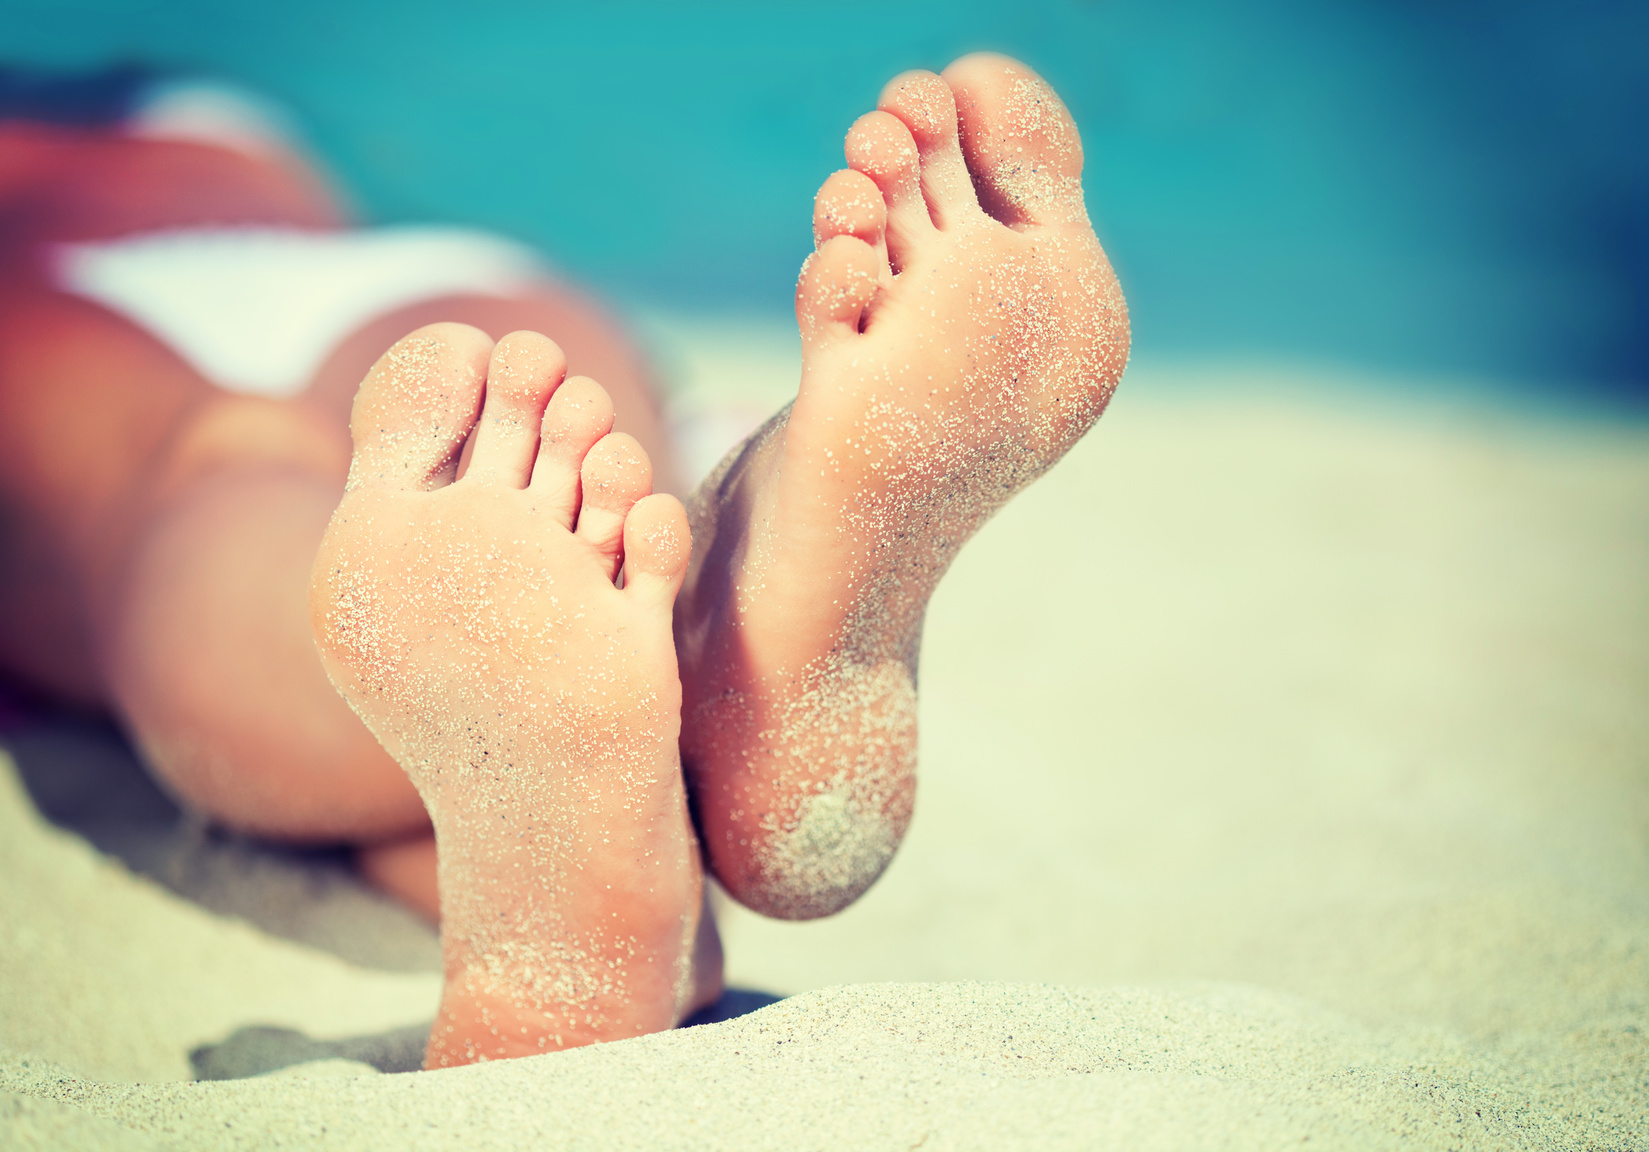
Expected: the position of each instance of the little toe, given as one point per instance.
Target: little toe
(616, 474)
(657, 543)
(525, 369)
(1020, 142)
(923, 102)
(850, 204)
(835, 287)
(416, 407)
(880, 146)
(579, 414)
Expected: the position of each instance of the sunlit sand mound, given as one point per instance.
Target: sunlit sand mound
(892, 1065)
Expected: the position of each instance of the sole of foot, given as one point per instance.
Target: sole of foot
(961, 329)
(478, 622)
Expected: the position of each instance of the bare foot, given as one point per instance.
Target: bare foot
(961, 329)
(475, 626)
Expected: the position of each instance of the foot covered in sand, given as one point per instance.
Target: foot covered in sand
(473, 621)
(961, 329)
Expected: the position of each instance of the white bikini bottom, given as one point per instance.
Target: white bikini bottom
(257, 310)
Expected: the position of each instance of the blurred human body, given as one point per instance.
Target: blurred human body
(961, 329)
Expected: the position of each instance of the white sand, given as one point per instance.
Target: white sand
(107, 974)
(1293, 744)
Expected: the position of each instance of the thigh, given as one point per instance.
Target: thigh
(87, 403)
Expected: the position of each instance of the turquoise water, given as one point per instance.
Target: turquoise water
(1453, 188)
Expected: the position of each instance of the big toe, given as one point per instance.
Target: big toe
(416, 407)
(1019, 140)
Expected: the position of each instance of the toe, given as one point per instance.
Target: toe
(880, 146)
(525, 369)
(850, 204)
(923, 103)
(1020, 143)
(579, 414)
(656, 546)
(835, 288)
(615, 475)
(416, 407)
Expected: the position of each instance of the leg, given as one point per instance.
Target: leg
(174, 526)
(156, 535)
(474, 625)
(172, 519)
(211, 655)
(961, 329)
(211, 664)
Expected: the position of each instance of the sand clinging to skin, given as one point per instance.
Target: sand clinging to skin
(1310, 772)
(846, 826)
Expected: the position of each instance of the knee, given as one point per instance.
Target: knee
(208, 655)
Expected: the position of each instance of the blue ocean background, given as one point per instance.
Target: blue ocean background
(1449, 189)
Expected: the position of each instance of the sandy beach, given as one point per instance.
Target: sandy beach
(1285, 778)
